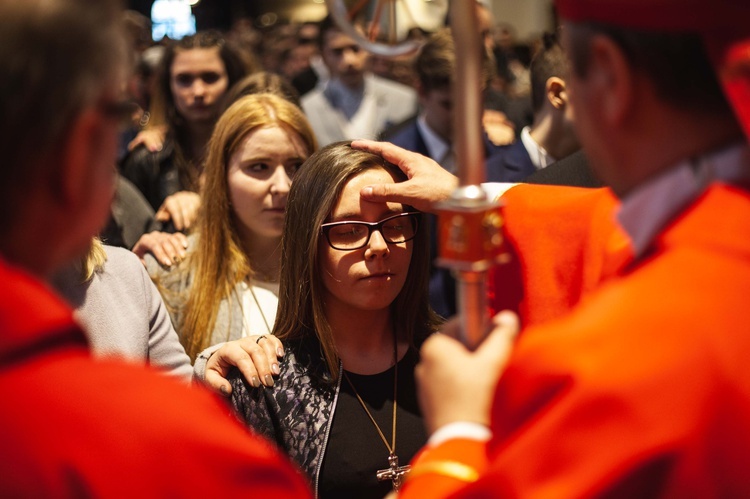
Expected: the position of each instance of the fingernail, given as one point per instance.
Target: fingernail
(275, 369)
(223, 389)
(269, 380)
(279, 352)
(255, 382)
(167, 262)
(367, 191)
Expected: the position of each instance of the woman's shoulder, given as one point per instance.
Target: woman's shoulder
(307, 359)
(122, 260)
(302, 378)
(175, 277)
(302, 364)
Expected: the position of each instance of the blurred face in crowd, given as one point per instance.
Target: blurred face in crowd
(485, 23)
(368, 278)
(298, 60)
(198, 79)
(344, 58)
(437, 105)
(259, 175)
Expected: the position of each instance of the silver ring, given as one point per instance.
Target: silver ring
(260, 338)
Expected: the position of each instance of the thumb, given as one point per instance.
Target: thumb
(498, 345)
(218, 383)
(162, 215)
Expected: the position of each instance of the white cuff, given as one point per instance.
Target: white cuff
(496, 189)
(460, 429)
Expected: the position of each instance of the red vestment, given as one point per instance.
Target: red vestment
(564, 242)
(72, 426)
(642, 388)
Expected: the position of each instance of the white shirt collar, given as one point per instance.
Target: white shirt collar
(540, 158)
(437, 148)
(645, 211)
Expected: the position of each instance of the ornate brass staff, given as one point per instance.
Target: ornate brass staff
(469, 224)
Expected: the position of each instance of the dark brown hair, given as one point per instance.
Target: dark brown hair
(313, 195)
(676, 63)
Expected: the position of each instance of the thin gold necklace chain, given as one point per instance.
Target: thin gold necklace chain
(391, 448)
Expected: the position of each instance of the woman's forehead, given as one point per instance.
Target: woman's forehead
(350, 201)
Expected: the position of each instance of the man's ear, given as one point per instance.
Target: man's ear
(613, 77)
(556, 92)
(74, 165)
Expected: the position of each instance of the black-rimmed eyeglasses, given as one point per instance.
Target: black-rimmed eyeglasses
(351, 235)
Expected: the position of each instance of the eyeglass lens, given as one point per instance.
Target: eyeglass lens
(352, 235)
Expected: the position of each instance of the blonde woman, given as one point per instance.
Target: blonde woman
(227, 286)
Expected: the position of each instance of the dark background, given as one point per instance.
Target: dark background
(219, 14)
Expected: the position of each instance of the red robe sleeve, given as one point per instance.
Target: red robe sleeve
(563, 242)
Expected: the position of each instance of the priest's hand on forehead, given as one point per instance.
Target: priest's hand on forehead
(428, 182)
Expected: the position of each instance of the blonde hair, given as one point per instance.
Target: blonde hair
(219, 261)
(93, 261)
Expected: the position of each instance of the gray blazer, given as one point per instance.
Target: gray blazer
(394, 103)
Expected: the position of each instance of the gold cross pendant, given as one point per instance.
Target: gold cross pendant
(395, 473)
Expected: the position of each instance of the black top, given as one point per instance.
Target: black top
(355, 450)
(154, 174)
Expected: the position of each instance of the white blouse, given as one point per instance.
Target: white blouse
(259, 303)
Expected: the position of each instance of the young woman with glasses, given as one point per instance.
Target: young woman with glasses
(353, 308)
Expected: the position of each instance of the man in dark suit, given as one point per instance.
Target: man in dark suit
(573, 171)
(551, 135)
(431, 132)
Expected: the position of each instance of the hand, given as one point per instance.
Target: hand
(167, 248)
(455, 384)
(181, 208)
(428, 182)
(499, 129)
(256, 360)
(151, 138)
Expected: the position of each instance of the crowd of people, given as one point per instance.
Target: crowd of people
(219, 282)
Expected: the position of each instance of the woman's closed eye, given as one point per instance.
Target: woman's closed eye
(349, 231)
